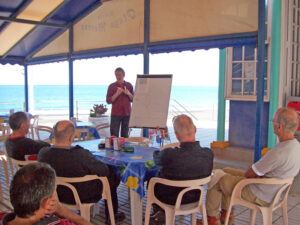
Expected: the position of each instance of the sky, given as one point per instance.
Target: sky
(189, 68)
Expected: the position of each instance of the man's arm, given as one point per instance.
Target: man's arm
(250, 173)
(53, 206)
(116, 94)
(129, 93)
(33, 147)
(65, 213)
(111, 96)
(92, 164)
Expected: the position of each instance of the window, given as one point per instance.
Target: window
(293, 49)
(241, 73)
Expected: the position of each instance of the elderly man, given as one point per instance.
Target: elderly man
(120, 95)
(17, 144)
(187, 162)
(32, 195)
(283, 161)
(75, 161)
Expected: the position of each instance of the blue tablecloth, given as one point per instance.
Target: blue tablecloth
(87, 125)
(137, 169)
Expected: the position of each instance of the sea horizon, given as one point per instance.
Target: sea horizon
(55, 97)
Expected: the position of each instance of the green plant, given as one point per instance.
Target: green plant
(98, 110)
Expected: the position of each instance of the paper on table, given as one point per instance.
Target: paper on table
(136, 157)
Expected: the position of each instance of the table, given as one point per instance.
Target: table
(4, 118)
(135, 173)
(5, 129)
(88, 125)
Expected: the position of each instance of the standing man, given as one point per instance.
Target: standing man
(120, 95)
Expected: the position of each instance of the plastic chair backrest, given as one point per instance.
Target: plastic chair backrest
(188, 185)
(85, 207)
(46, 129)
(19, 163)
(279, 200)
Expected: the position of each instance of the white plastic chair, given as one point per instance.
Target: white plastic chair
(85, 208)
(4, 160)
(41, 131)
(178, 209)
(171, 145)
(19, 163)
(34, 120)
(279, 200)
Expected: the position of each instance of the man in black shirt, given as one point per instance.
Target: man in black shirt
(18, 145)
(75, 161)
(188, 162)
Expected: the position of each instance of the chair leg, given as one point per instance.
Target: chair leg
(194, 219)
(111, 211)
(147, 213)
(253, 216)
(85, 212)
(228, 214)
(204, 215)
(267, 217)
(285, 213)
(170, 217)
(5, 169)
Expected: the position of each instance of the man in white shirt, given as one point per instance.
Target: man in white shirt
(283, 161)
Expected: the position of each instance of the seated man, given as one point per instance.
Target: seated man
(17, 144)
(32, 195)
(69, 161)
(188, 162)
(283, 161)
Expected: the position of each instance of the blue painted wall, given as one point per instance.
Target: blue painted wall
(242, 124)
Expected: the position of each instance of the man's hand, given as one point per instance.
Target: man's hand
(52, 206)
(116, 94)
(119, 91)
(127, 92)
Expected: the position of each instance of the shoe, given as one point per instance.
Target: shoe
(223, 217)
(119, 217)
(158, 218)
(211, 220)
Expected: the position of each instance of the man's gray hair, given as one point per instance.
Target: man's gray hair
(62, 133)
(15, 120)
(184, 125)
(289, 118)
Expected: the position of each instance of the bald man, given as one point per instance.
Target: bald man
(283, 161)
(75, 161)
(187, 162)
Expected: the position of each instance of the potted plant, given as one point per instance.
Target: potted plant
(98, 110)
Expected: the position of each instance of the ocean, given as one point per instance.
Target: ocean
(51, 98)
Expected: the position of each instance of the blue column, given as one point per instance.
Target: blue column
(26, 87)
(146, 43)
(221, 97)
(260, 79)
(71, 88)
